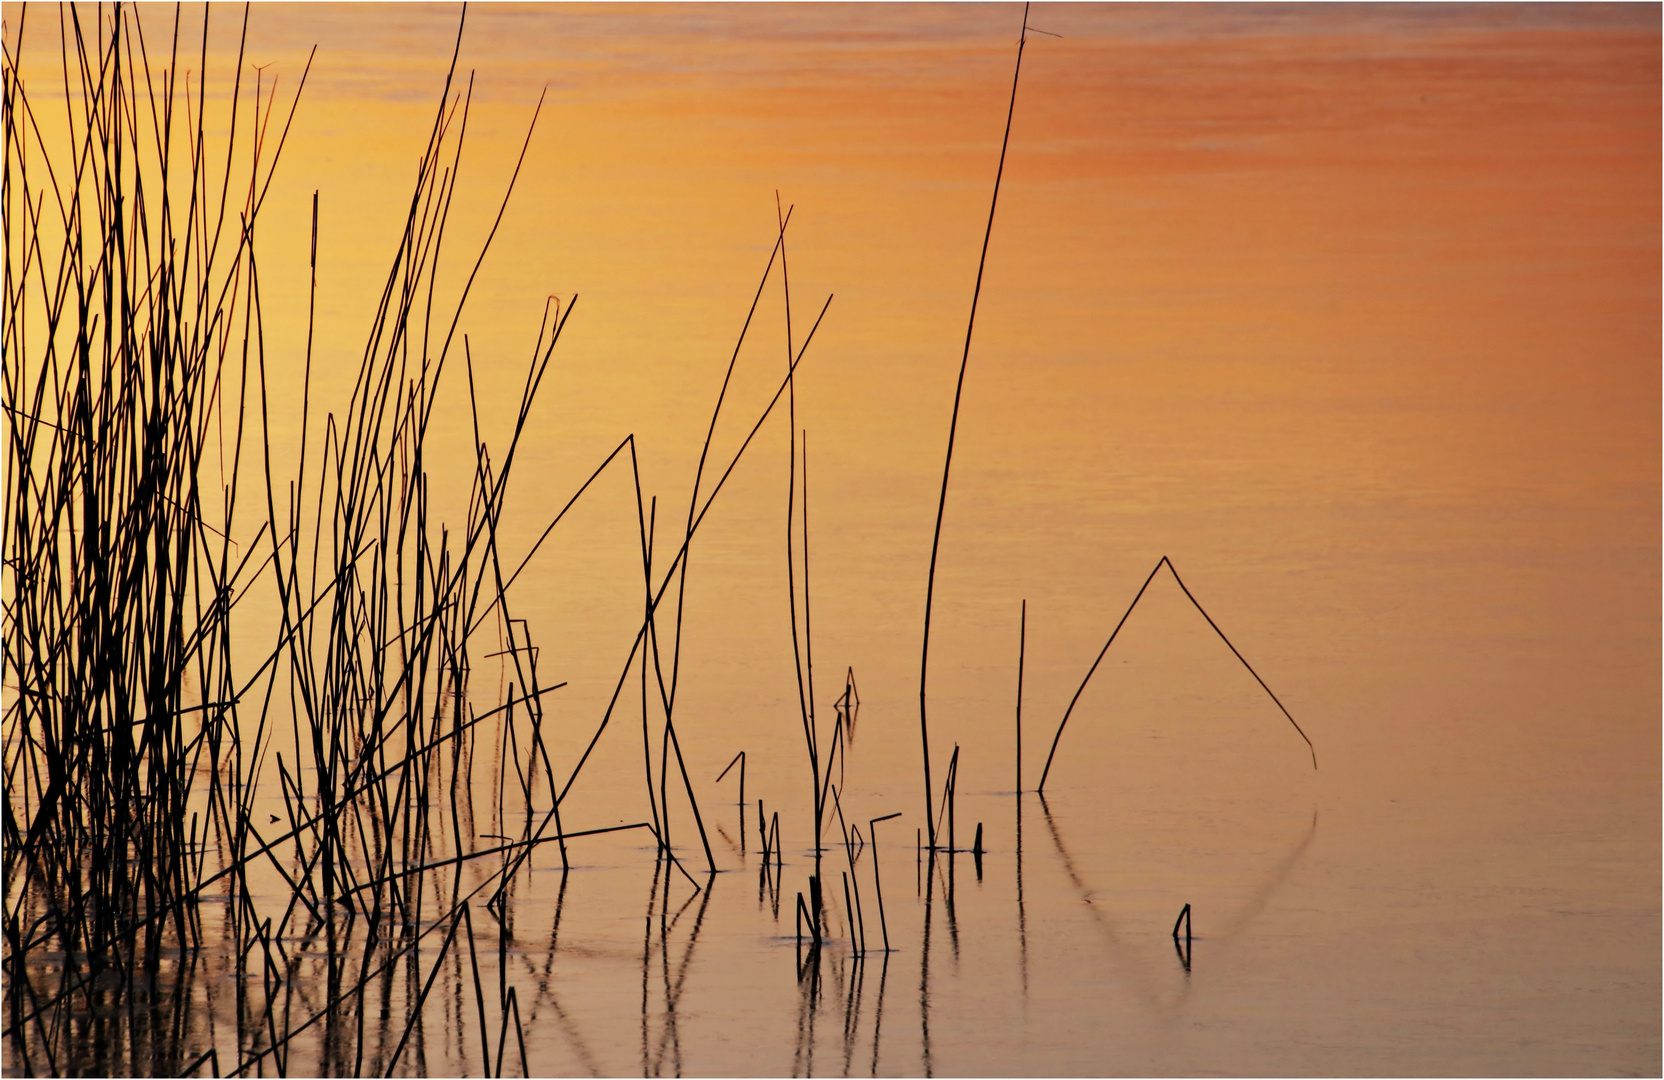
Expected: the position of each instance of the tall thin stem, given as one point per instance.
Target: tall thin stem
(953, 428)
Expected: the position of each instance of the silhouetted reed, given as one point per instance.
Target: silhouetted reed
(1022, 649)
(133, 751)
(145, 501)
(1183, 947)
(121, 572)
(739, 759)
(953, 429)
(877, 884)
(945, 812)
(1112, 635)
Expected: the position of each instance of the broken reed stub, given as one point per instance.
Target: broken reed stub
(1182, 920)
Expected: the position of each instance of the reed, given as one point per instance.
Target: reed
(774, 841)
(945, 811)
(1022, 649)
(135, 368)
(850, 702)
(739, 759)
(1183, 947)
(953, 429)
(131, 297)
(877, 884)
(851, 836)
(1163, 562)
(855, 938)
(511, 1003)
(146, 500)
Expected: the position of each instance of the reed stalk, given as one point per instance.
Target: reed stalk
(953, 430)
(1163, 562)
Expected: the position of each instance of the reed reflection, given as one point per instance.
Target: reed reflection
(332, 927)
(1127, 962)
(808, 991)
(1022, 913)
(1276, 877)
(924, 964)
(661, 1051)
(545, 990)
(852, 1007)
(647, 954)
(878, 1012)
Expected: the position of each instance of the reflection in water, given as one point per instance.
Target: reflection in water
(665, 1052)
(546, 990)
(647, 954)
(1069, 863)
(950, 909)
(335, 973)
(808, 994)
(1022, 914)
(768, 881)
(1183, 944)
(1128, 963)
(845, 965)
(1274, 880)
(852, 1007)
(878, 1012)
(924, 962)
(1182, 947)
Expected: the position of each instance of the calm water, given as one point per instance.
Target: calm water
(1351, 312)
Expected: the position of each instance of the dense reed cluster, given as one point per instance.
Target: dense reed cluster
(144, 507)
(142, 510)
(131, 328)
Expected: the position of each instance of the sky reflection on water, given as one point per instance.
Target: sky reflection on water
(1352, 311)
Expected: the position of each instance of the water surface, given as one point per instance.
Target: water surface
(1352, 312)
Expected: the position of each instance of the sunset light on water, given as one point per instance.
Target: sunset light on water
(330, 562)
